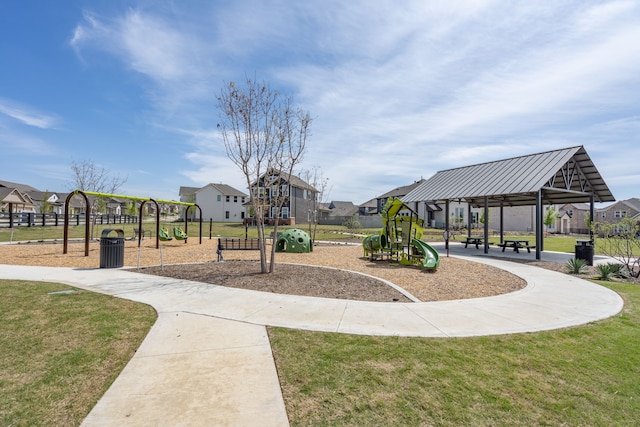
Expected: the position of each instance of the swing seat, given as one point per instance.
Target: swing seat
(179, 234)
(163, 234)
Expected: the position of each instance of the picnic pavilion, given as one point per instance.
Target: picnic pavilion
(553, 177)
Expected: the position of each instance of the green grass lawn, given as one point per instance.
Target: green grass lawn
(582, 376)
(60, 352)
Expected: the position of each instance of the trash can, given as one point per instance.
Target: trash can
(584, 251)
(111, 249)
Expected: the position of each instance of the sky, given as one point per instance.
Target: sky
(397, 90)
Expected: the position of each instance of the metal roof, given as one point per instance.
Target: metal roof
(565, 176)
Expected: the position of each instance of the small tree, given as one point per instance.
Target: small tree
(317, 180)
(45, 206)
(550, 217)
(265, 135)
(352, 224)
(621, 242)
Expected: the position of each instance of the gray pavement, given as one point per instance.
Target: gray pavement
(207, 360)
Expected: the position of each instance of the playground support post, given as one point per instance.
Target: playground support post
(86, 222)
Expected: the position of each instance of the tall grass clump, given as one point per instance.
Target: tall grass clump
(576, 266)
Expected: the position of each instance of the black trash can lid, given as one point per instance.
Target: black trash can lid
(106, 231)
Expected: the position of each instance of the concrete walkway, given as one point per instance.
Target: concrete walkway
(207, 360)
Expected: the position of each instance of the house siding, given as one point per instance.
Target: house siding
(219, 207)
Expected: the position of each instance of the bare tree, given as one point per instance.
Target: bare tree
(265, 136)
(88, 176)
(620, 241)
(317, 180)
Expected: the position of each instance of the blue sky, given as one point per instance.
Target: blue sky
(398, 90)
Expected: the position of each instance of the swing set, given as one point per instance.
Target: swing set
(162, 234)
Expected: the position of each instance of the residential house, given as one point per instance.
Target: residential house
(12, 200)
(629, 208)
(14, 197)
(219, 202)
(572, 219)
(368, 208)
(337, 209)
(48, 202)
(299, 198)
(398, 193)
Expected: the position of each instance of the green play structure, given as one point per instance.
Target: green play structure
(401, 238)
(294, 240)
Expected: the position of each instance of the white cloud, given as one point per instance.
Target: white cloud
(399, 90)
(27, 115)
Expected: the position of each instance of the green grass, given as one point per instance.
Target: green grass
(61, 352)
(583, 376)
(39, 233)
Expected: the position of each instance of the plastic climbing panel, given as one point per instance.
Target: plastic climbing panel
(294, 240)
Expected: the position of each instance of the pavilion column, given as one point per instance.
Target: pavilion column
(486, 225)
(592, 217)
(501, 222)
(469, 220)
(446, 222)
(539, 232)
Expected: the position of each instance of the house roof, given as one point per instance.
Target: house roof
(565, 176)
(23, 188)
(401, 191)
(580, 206)
(13, 195)
(228, 190)
(188, 190)
(224, 189)
(633, 203)
(373, 203)
(342, 208)
(293, 180)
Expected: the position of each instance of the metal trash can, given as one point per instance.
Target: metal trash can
(584, 251)
(111, 249)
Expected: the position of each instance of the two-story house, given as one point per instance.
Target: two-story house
(611, 214)
(219, 202)
(298, 198)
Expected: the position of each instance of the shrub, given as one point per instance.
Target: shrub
(605, 271)
(576, 266)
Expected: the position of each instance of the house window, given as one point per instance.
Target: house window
(259, 192)
(603, 215)
(459, 214)
(235, 199)
(285, 213)
(620, 214)
(219, 197)
(243, 200)
(228, 199)
(226, 214)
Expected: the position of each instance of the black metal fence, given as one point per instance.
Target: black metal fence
(30, 219)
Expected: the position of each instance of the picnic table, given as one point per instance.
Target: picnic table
(473, 241)
(516, 244)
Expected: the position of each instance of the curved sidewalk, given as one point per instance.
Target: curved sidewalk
(207, 360)
(550, 300)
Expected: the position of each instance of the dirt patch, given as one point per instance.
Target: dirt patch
(289, 279)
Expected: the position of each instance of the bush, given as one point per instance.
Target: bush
(576, 266)
(605, 271)
(352, 224)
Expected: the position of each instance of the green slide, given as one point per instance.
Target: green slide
(431, 256)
